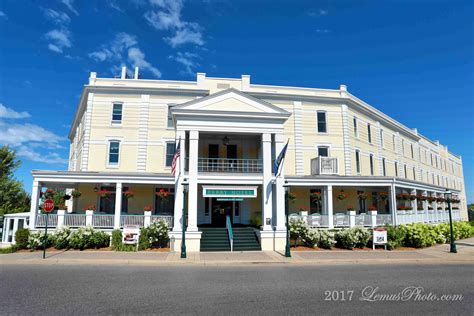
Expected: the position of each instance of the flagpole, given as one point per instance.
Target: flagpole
(283, 161)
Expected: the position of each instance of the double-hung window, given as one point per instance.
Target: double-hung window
(414, 173)
(394, 143)
(170, 150)
(356, 133)
(357, 153)
(406, 173)
(114, 153)
(412, 152)
(371, 158)
(117, 113)
(384, 171)
(381, 138)
(323, 151)
(396, 169)
(322, 124)
(369, 133)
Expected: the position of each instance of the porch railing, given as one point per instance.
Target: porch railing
(103, 221)
(156, 218)
(75, 220)
(384, 219)
(230, 165)
(132, 220)
(41, 220)
(316, 220)
(324, 165)
(341, 220)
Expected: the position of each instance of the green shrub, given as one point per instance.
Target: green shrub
(395, 237)
(298, 229)
(361, 236)
(345, 239)
(463, 230)
(419, 235)
(21, 238)
(116, 243)
(61, 237)
(144, 239)
(88, 237)
(157, 234)
(310, 238)
(326, 239)
(36, 240)
(9, 249)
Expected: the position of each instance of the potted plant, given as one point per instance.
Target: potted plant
(128, 194)
(440, 199)
(341, 195)
(291, 197)
(303, 208)
(412, 197)
(430, 199)
(162, 194)
(49, 194)
(362, 195)
(420, 197)
(372, 207)
(350, 208)
(66, 197)
(90, 207)
(383, 196)
(315, 196)
(76, 194)
(104, 193)
(147, 208)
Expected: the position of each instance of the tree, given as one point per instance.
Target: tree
(13, 198)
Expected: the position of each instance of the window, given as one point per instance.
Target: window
(170, 123)
(394, 143)
(396, 169)
(369, 134)
(431, 158)
(322, 128)
(437, 158)
(356, 134)
(323, 151)
(170, 150)
(117, 113)
(412, 154)
(438, 179)
(371, 158)
(414, 173)
(403, 147)
(383, 167)
(406, 173)
(357, 153)
(381, 138)
(165, 206)
(107, 205)
(315, 204)
(114, 150)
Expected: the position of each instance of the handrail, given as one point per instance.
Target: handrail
(228, 225)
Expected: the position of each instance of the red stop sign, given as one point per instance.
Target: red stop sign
(48, 206)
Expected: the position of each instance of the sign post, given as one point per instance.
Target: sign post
(379, 237)
(48, 207)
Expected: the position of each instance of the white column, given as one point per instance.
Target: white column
(373, 218)
(393, 204)
(89, 214)
(267, 197)
(178, 187)
(329, 205)
(61, 218)
(35, 194)
(147, 218)
(425, 208)
(118, 205)
(435, 209)
(280, 190)
(193, 185)
(352, 215)
(414, 206)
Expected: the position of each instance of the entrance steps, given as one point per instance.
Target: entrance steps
(217, 239)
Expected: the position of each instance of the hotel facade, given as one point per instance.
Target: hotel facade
(347, 163)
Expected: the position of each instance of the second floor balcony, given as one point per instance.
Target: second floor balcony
(230, 165)
(324, 166)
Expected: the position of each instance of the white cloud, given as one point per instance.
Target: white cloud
(60, 38)
(137, 59)
(124, 47)
(69, 4)
(49, 158)
(187, 60)
(18, 134)
(322, 31)
(114, 5)
(319, 12)
(9, 113)
(3, 15)
(166, 15)
(57, 17)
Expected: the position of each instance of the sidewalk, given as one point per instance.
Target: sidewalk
(436, 254)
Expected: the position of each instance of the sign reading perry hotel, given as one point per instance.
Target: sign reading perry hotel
(230, 192)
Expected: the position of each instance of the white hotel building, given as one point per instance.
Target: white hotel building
(124, 135)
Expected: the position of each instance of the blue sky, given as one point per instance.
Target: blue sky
(411, 59)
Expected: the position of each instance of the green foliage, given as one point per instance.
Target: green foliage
(256, 219)
(21, 238)
(13, 198)
(61, 237)
(117, 244)
(37, 239)
(327, 239)
(419, 235)
(356, 237)
(361, 236)
(88, 237)
(154, 236)
(9, 249)
(144, 239)
(395, 237)
(298, 228)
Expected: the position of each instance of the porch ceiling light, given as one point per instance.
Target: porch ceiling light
(225, 140)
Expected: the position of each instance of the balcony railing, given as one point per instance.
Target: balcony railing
(323, 165)
(230, 165)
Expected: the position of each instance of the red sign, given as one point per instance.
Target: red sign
(48, 206)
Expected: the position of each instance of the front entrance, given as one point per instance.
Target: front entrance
(220, 209)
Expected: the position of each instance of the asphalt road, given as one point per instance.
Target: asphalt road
(249, 289)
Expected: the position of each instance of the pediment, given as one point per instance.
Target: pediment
(231, 100)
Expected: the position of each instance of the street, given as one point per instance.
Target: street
(242, 289)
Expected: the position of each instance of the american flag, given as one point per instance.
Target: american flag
(175, 157)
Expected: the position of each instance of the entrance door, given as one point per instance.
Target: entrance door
(220, 209)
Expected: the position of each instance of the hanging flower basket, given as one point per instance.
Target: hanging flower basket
(49, 194)
(303, 208)
(412, 197)
(403, 196)
(361, 195)
(104, 194)
(421, 197)
(162, 194)
(76, 194)
(341, 195)
(291, 197)
(66, 197)
(404, 208)
(315, 196)
(90, 207)
(430, 198)
(440, 199)
(383, 196)
(128, 194)
(147, 208)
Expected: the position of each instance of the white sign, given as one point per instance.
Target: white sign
(379, 237)
(130, 234)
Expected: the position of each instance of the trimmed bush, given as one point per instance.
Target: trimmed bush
(345, 239)
(88, 237)
(9, 249)
(298, 229)
(36, 240)
(419, 235)
(361, 236)
(144, 239)
(61, 237)
(117, 244)
(326, 239)
(395, 237)
(21, 238)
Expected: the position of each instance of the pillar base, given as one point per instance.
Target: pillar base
(193, 241)
(272, 240)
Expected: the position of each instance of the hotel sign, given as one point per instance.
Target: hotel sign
(229, 192)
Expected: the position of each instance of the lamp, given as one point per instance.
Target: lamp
(185, 185)
(225, 140)
(452, 246)
(287, 247)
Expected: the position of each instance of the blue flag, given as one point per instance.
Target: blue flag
(278, 161)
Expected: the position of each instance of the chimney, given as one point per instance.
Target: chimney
(136, 75)
(343, 87)
(92, 78)
(201, 80)
(124, 73)
(245, 82)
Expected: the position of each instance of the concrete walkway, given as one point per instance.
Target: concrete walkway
(433, 255)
